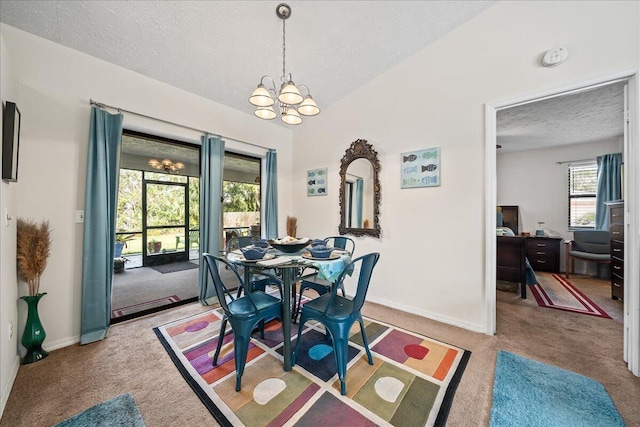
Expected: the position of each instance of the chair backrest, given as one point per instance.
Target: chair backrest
(238, 242)
(592, 241)
(341, 242)
(366, 264)
(222, 292)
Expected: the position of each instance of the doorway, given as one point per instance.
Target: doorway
(631, 196)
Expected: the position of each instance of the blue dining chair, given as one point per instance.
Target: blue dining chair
(322, 286)
(243, 313)
(338, 314)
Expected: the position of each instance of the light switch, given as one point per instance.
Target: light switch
(79, 217)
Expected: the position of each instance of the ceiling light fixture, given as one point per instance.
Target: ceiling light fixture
(290, 102)
(166, 165)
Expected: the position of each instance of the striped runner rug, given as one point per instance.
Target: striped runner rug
(411, 383)
(556, 291)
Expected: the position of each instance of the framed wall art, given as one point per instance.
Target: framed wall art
(10, 142)
(420, 168)
(317, 182)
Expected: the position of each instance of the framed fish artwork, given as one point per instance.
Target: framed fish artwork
(317, 182)
(420, 168)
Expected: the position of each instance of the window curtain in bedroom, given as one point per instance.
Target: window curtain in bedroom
(609, 186)
(211, 169)
(271, 209)
(105, 139)
(359, 185)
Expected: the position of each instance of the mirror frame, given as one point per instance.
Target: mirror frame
(360, 149)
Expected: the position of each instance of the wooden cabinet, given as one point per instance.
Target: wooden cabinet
(616, 228)
(544, 253)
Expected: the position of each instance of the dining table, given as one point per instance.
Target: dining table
(290, 267)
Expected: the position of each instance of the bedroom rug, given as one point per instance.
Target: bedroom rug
(121, 411)
(556, 291)
(174, 267)
(119, 312)
(412, 382)
(530, 394)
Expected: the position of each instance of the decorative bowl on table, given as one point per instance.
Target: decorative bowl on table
(253, 253)
(320, 251)
(290, 245)
(318, 242)
(262, 243)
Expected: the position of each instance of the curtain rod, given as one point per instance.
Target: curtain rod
(102, 105)
(576, 161)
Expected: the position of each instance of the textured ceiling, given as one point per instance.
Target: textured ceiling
(220, 49)
(588, 116)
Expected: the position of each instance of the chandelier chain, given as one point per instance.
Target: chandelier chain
(284, 50)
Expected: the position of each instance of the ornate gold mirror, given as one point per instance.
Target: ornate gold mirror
(360, 190)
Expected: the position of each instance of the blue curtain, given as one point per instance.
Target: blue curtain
(105, 139)
(271, 209)
(609, 186)
(211, 168)
(358, 213)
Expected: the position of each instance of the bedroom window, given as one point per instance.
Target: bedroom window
(583, 183)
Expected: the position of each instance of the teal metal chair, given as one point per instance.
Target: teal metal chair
(338, 314)
(243, 313)
(322, 286)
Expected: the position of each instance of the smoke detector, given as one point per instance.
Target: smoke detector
(555, 56)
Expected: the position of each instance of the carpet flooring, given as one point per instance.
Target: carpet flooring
(556, 291)
(527, 393)
(411, 383)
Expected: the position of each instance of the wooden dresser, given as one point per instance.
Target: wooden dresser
(543, 253)
(616, 228)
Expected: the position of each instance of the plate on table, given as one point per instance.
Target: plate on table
(307, 255)
(241, 258)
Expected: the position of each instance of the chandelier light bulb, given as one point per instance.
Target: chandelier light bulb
(261, 97)
(308, 107)
(291, 116)
(266, 113)
(289, 94)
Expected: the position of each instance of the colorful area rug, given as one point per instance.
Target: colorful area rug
(555, 291)
(119, 312)
(174, 267)
(412, 382)
(527, 393)
(117, 412)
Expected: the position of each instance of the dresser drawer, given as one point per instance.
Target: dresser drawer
(617, 266)
(617, 249)
(542, 245)
(616, 215)
(617, 287)
(617, 232)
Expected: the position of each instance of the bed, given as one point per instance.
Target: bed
(512, 263)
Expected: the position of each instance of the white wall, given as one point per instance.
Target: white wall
(55, 84)
(534, 181)
(432, 245)
(9, 360)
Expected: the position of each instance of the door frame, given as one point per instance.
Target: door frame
(631, 197)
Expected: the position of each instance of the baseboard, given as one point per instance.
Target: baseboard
(65, 342)
(438, 318)
(9, 384)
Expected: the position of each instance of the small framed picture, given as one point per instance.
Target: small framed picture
(420, 168)
(317, 182)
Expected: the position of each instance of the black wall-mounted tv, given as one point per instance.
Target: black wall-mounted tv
(10, 142)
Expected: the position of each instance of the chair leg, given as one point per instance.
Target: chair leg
(365, 341)
(241, 338)
(303, 319)
(341, 349)
(223, 326)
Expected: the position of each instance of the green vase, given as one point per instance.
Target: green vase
(34, 334)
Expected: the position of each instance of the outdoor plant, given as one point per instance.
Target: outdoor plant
(32, 251)
(124, 238)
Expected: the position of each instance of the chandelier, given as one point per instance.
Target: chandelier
(290, 102)
(166, 165)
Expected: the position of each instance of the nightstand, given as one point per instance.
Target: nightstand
(543, 253)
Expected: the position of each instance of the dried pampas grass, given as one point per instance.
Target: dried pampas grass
(292, 226)
(33, 248)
